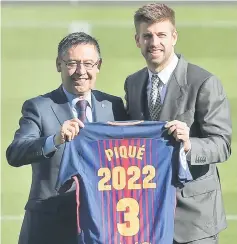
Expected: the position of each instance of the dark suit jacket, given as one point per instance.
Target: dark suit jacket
(50, 218)
(196, 97)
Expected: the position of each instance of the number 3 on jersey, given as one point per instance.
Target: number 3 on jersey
(131, 217)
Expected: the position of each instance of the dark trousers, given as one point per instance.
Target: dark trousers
(48, 228)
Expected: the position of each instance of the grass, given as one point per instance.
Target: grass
(28, 69)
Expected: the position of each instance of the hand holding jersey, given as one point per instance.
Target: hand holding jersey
(68, 131)
(180, 132)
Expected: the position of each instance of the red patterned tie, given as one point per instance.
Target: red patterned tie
(82, 105)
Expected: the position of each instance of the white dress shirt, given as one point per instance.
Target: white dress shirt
(164, 76)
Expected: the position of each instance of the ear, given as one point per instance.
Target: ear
(58, 64)
(137, 40)
(99, 65)
(175, 37)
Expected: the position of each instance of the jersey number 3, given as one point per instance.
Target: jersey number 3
(119, 181)
(131, 217)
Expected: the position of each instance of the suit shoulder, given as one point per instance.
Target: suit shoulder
(41, 100)
(136, 75)
(198, 72)
(198, 76)
(105, 96)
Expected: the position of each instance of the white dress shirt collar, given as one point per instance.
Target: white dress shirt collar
(165, 74)
(73, 99)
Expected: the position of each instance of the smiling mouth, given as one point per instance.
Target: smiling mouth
(79, 81)
(155, 51)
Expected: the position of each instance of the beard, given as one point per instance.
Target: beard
(157, 61)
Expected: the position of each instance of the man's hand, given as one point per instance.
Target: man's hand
(180, 132)
(68, 131)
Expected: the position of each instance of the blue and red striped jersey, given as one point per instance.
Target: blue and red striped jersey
(127, 177)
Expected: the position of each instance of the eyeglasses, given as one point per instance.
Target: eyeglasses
(72, 64)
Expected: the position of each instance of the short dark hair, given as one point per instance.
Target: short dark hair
(154, 12)
(77, 38)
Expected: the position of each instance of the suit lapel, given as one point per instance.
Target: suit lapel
(99, 108)
(61, 107)
(176, 90)
(139, 91)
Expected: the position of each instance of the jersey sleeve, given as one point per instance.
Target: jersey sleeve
(70, 165)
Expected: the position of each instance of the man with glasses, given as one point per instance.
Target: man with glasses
(47, 122)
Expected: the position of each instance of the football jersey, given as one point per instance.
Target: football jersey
(127, 176)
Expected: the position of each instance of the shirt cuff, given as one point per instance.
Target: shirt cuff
(49, 146)
(188, 154)
(184, 172)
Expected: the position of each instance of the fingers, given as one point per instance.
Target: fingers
(70, 129)
(79, 122)
(171, 129)
(176, 123)
(180, 137)
(69, 133)
(179, 129)
(74, 128)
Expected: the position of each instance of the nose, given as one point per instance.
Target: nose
(80, 69)
(155, 40)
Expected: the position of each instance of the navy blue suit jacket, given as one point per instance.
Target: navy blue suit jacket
(50, 217)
